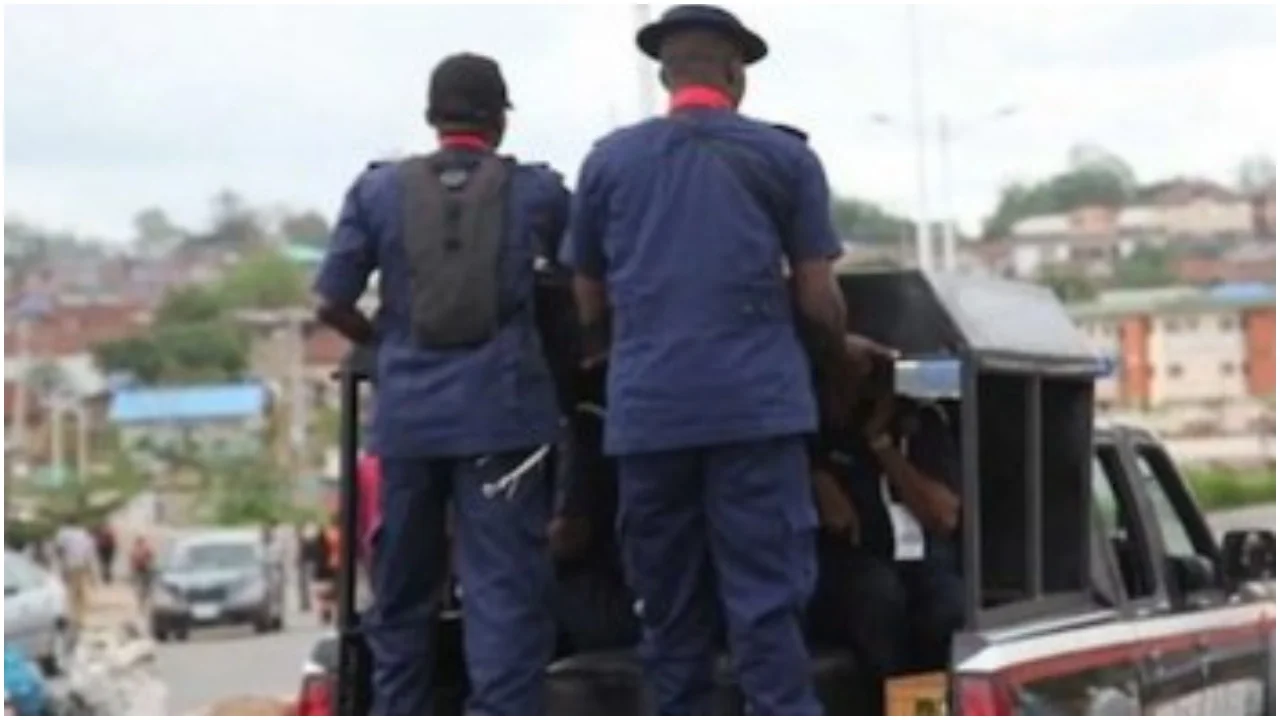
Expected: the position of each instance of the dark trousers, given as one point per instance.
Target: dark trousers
(504, 570)
(594, 611)
(730, 526)
(861, 604)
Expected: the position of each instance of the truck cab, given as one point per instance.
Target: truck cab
(1093, 584)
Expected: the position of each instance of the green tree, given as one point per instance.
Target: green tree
(189, 305)
(1069, 286)
(265, 279)
(154, 233)
(192, 338)
(137, 356)
(1059, 194)
(863, 221)
(1146, 267)
(307, 228)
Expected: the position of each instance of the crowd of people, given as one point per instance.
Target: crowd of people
(767, 488)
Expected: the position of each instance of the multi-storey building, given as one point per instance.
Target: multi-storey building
(1184, 346)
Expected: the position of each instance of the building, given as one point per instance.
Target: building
(216, 419)
(1183, 345)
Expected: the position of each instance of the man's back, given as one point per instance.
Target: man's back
(444, 402)
(75, 547)
(693, 257)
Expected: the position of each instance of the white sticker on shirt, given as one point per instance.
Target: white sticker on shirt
(908, 536)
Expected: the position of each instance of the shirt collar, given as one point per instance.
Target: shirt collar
(464, 141)
(700, 96)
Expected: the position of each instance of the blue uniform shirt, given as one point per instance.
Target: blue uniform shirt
(456, 402)
(705, 349)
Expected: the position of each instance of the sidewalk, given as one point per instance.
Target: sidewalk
(112, 605)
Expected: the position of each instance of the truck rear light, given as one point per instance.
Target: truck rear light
(976, 695)
(316, 696)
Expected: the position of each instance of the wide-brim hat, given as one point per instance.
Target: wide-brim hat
(708, 17)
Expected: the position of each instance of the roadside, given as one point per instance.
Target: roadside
(1260, 517)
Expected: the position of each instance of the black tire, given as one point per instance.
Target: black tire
(181, 633)
(264, 623)
(159, 631)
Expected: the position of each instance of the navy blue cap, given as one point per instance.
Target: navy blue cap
(466, 88)
(707, 17)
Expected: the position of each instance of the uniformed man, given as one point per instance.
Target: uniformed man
(696, 237)
(466, 404)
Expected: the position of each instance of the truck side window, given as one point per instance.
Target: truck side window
(1114, 511)
(1177, 537)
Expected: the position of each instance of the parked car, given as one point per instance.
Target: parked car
(35, 612)
(212, 579)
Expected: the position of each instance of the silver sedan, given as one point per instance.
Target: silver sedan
(35, 612)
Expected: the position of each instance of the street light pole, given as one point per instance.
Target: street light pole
(946, 138)
(948, 207)
(924, 241)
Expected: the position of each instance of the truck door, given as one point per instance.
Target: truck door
(1201, 654)
(1084, 664)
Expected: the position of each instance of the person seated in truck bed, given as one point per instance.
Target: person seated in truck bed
(885, 481)
(592, 605)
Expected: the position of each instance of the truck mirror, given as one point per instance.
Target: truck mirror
(1249, 555)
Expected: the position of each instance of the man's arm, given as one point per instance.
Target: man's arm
(925, 480)
(584, 253)
(812, 248)
(344, 272)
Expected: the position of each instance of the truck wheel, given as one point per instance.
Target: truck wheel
(180, 633)
(159, 631)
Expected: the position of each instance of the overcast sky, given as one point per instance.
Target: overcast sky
(108, 110)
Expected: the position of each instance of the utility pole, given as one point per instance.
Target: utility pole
(924, 240)
(948, 202)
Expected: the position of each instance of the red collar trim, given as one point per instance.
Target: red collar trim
(700, 96)
(467, 141)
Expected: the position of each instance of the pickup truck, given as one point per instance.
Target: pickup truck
(1093, 583)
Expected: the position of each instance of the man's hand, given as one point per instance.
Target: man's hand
(877, 425)
(940, 508)
(835, 512)
(568, 537)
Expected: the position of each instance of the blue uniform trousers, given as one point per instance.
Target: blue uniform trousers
(732, 525)
(501, 511)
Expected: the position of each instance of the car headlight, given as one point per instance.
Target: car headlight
(166, 596)
(250, 590)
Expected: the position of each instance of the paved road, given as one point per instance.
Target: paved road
(225, 662)
(222, 663)
(1262, 517)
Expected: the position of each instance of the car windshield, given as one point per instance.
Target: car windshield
(19, 573)
(215, 555)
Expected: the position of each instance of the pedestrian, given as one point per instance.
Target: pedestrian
(702, 248)
(142, 568)
(76, 551)
(306, 544)
(275, 558)
(466, 403)
(104, 538)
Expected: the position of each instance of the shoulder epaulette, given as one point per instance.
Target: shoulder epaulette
(792, 131)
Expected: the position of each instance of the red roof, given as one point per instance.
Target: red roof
(75, 329)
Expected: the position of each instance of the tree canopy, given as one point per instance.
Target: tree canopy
(194, 335)
(861, 221)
